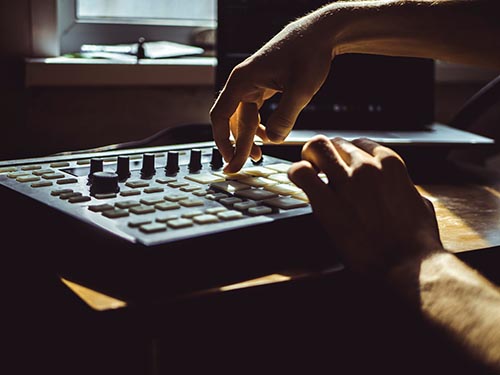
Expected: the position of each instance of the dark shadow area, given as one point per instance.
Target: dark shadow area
(337, 324)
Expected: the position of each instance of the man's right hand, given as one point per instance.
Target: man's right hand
(295, 63)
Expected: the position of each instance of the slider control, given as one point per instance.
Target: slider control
(96, 165)
(195, 160)
(123, 167)
(172, 166)
(148, 166)
(216, 161)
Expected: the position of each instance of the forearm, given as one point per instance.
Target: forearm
(462, 31)
(456, 299)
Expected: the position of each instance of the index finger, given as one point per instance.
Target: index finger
(247, 121)
(224, 107)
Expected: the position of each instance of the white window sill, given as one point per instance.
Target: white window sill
(188, 71)
(61, 71)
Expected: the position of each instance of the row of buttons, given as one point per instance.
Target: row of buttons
(237, 198)
(231, 210)
(254, 191)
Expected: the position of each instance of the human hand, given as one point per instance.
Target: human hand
(372, 212)
(296, 63)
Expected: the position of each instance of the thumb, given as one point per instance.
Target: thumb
(282, 120)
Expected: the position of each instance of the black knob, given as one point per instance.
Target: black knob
(104, 183)
(148, 165)
(258, 162)
(216, 161)
(172, 166)
(96, 165)
(123, 167)
(195, 160)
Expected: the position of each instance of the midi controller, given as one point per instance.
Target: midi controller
(166, 219)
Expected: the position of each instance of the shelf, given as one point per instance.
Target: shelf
(61, 71)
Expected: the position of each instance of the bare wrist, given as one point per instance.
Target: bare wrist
(349, 25)
(404, 277)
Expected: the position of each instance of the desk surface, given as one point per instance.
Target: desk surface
(468, 217)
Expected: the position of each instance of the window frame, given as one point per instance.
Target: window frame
(56, 29)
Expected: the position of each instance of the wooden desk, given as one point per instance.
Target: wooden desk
(468, 217)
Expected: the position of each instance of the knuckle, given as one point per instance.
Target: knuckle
(429, 205)
(319, 144)
(367, 170)
(213, 112)
(393, 163)
(238, 72)
(338, 140)
(361, 141)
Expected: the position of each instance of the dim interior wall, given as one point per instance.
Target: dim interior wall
(45, 120)
(450, 97)
(62, 119)
(12, 104)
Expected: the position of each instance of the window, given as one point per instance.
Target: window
(194, 12)
(125, 21)
(61, 26)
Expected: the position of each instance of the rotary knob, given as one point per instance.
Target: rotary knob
(148, 166)
(216, 161)
(104, 183)
(123, 167)
(172, 166)
(195, 160)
